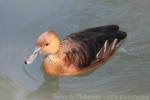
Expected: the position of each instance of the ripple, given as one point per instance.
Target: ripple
(10, 90)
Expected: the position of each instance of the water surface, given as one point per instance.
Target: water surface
(126, 73)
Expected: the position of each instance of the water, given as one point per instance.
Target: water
(126, 73)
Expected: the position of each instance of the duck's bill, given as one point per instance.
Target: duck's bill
(33, 56)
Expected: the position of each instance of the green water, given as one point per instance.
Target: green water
(127, 73)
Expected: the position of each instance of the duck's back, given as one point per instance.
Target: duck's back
(81, 47)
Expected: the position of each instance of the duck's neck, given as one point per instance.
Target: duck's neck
(54, 45)
(56, 57)
(60, 53)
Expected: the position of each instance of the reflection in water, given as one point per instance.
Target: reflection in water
(49, 87)
(21, 21)
(9, 90)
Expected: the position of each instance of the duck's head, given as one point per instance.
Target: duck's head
(47, 43)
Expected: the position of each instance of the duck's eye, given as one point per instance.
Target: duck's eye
(46, 44)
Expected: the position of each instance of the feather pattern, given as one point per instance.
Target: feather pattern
(81, 48)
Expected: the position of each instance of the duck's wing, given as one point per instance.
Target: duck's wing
(83, 48)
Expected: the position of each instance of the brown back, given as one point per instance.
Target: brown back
(81, 47)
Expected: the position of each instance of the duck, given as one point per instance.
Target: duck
(79, 52)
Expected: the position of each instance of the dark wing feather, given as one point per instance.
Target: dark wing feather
(81, 47)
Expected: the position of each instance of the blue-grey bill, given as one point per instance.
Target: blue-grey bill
(33, 56)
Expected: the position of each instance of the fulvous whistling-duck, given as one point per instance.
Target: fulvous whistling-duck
(79, 51)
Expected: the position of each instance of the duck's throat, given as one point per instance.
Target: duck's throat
(53, 59)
